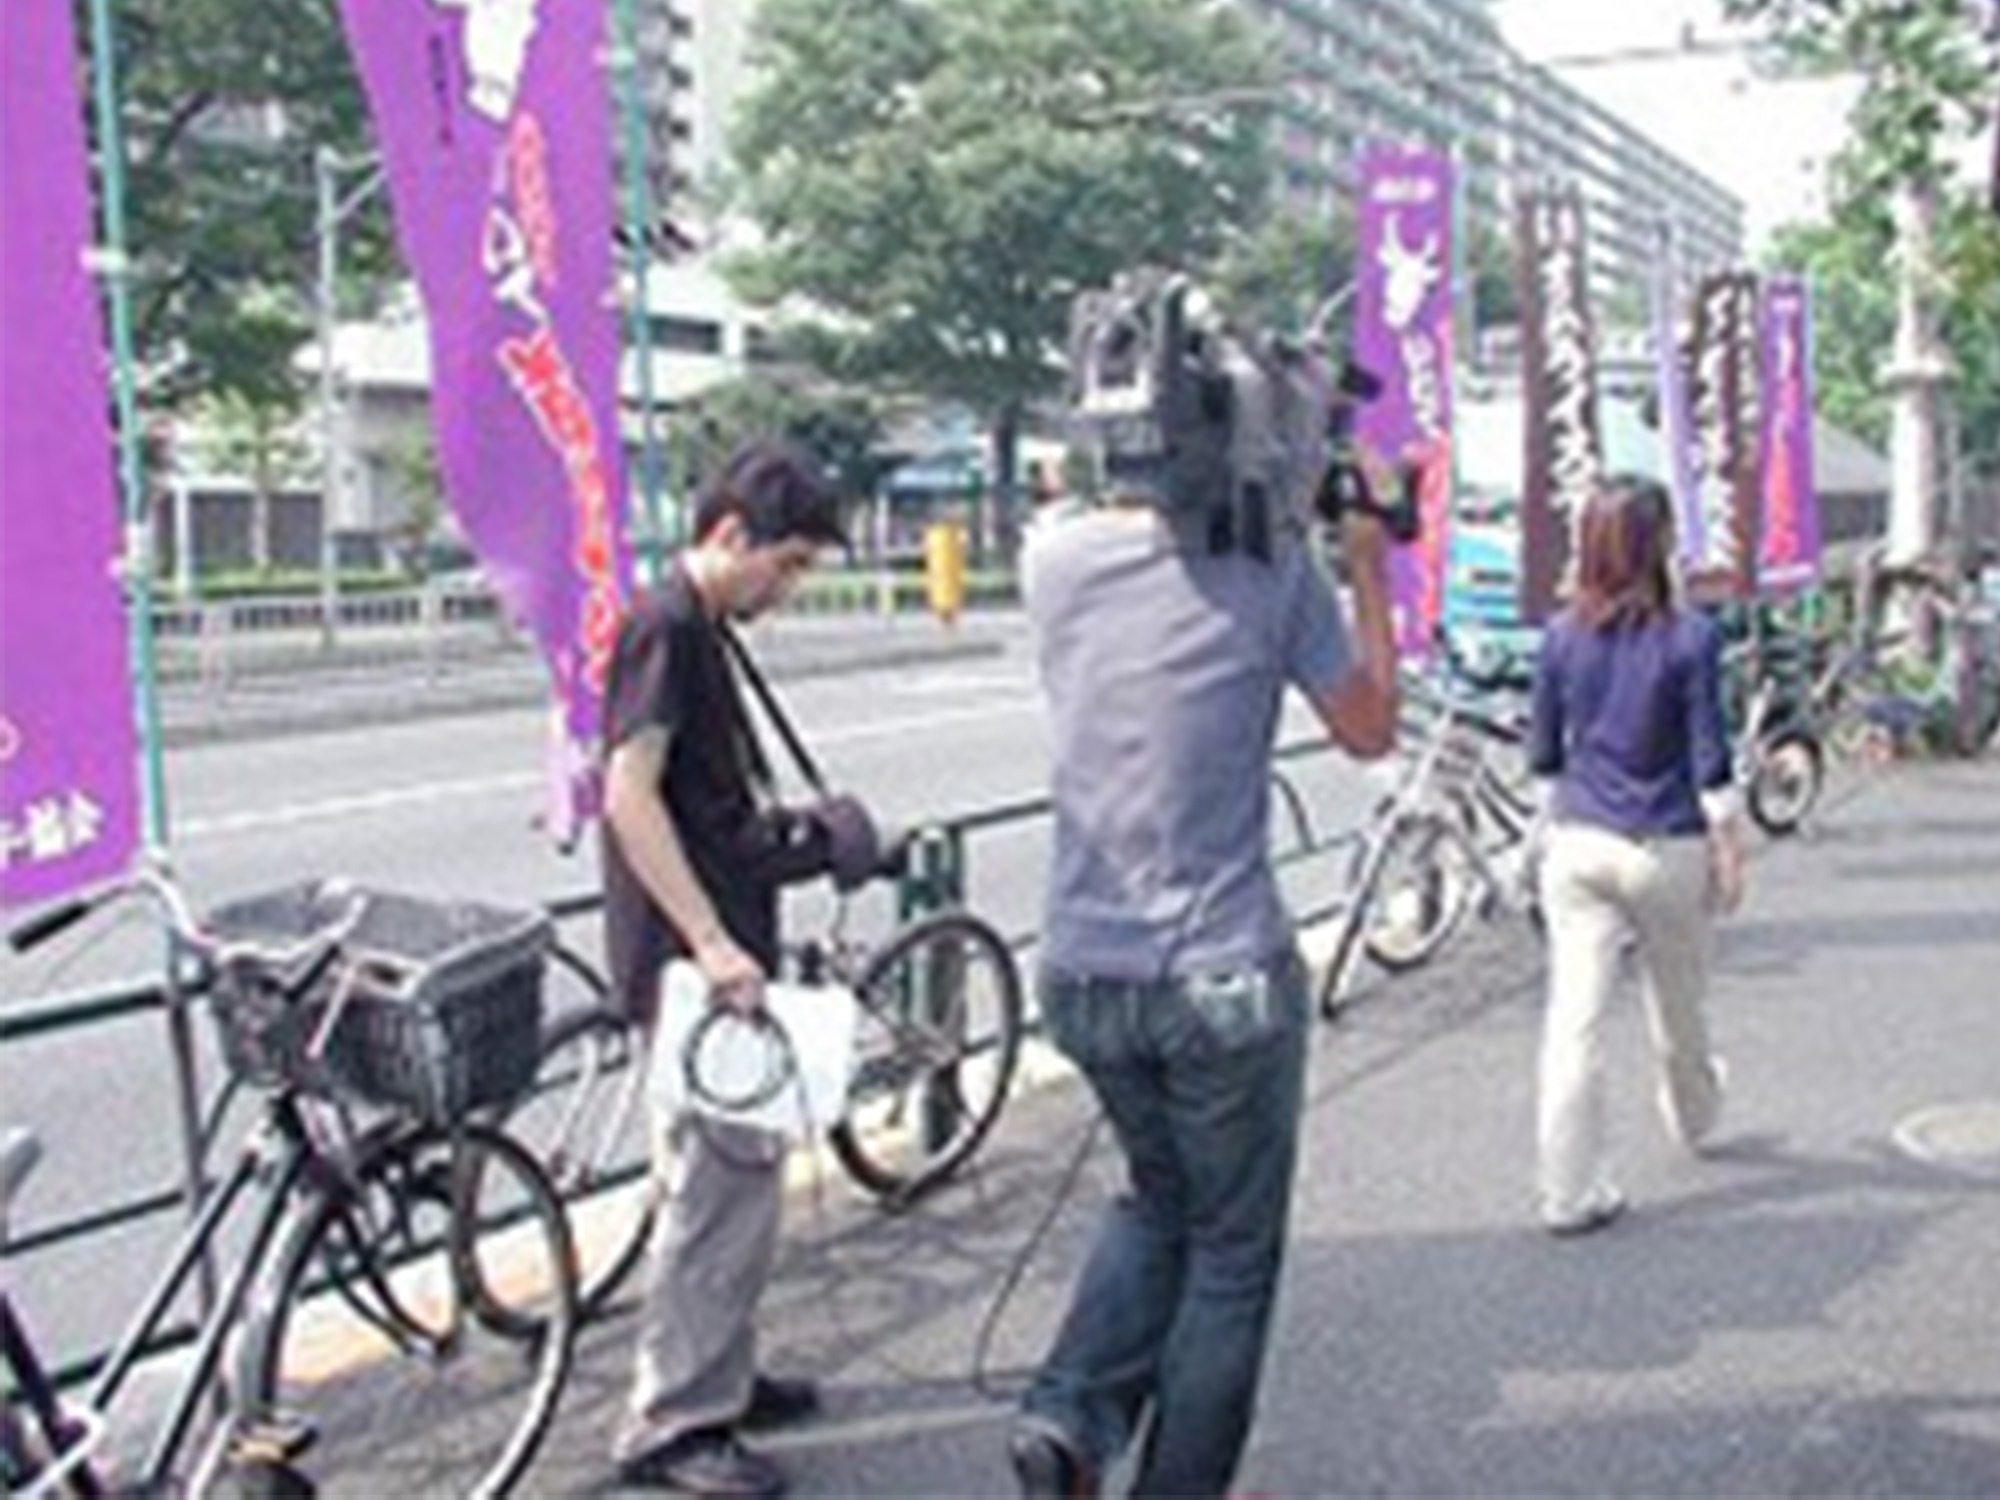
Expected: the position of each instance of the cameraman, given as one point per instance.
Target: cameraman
(1171, 975)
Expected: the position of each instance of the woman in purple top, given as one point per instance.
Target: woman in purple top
(1645, 842)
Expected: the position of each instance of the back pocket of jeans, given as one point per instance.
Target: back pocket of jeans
(1234, 1010)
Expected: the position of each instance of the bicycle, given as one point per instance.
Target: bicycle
(1452, 824)
(405, 1259)
(1780, 757)
(939, 1023)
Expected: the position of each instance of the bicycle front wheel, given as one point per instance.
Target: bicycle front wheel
(937, 1039)
(586, 1122)
(1421, 885)
(420, 1324)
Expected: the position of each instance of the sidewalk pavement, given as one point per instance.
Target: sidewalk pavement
(1812, 1310)
(313, 690)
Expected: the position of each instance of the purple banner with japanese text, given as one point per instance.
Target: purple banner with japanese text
(1788, 553)
(494, 123)
(1403, 334)
(69, 786)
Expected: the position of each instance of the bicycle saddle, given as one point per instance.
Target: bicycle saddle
(20, 1149)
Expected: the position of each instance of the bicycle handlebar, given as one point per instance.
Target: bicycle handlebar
(319, 949)
(44, 925)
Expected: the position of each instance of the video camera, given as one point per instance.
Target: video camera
(1237, 439)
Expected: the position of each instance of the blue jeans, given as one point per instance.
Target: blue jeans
(1201, 1078)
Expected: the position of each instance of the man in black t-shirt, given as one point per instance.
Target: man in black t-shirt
(694, 853)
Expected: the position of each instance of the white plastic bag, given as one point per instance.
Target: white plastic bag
(790, 1077)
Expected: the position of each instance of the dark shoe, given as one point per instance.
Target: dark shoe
(1048, 1466)
(710, 1463)
(1598, 1216)
(777, 1402)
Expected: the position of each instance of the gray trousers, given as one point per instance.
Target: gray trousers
(713, 1246)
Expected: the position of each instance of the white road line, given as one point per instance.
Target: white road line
(363, 804)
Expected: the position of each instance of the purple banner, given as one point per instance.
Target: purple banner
(69, 793)
(1403, 333)
(493, 117)
(1676, 422)
(1561, 453)
(1788, 554)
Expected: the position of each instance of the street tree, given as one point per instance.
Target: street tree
(223, 105)
(1290, 267)
(841, 428)
(1926, 81)
(934, 180)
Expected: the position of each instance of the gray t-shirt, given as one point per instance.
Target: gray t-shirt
(1164, 673)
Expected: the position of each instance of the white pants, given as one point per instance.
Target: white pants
(1598, 888)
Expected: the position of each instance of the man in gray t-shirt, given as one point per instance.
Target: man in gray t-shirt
(1170, 975)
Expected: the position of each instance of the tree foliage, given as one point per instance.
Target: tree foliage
(843, 429)
(223, 105)
(1854, 316)
(1927, 81)
(936, 179)
(1926, 76)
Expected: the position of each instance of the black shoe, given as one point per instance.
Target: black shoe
(777, 1402)
(1047, 1465)
(710, 1463)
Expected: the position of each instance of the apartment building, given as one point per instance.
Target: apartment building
(1440, 72)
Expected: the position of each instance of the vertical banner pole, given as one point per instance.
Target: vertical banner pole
(139, 594)
(638, 213)
(138, 561)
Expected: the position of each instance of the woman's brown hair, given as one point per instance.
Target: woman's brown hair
(1624, 556)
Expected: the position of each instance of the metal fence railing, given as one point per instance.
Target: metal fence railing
(940, 875)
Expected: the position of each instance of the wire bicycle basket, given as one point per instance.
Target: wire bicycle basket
(439, 1001)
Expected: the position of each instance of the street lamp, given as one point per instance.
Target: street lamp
(333, 211)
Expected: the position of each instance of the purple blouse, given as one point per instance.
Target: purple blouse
(1629, 722)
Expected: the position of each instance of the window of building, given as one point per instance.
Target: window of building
(684, 335)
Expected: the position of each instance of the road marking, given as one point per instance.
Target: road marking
(391, 799)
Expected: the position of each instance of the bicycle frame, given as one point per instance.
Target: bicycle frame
(281, 1146)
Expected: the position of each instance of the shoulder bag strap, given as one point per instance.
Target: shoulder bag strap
(739, 655)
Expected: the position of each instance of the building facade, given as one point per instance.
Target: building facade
(1439, 72)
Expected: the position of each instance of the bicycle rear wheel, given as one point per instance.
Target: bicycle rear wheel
(938, 1035)
(1785, 781)
(586, 1122)
(421, 1319)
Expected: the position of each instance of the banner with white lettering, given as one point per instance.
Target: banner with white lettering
(1677, 448)
(1723, 398)
(1788, 553)
(1403, 334)
(69, 767)
(1562, 457)
(494, 123)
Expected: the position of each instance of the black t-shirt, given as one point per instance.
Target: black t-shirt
(669, 671)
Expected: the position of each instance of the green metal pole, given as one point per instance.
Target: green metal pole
(115, 267)
(637, 197)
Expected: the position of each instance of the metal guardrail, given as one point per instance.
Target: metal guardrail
(938, 877)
